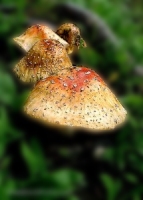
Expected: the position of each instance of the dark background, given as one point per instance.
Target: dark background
(38, 162)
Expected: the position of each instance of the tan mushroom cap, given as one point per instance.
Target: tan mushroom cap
(35, 33)
(45, 58)
(71, 33)
(76, 97)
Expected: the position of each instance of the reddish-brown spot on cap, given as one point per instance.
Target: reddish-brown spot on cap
(79, 79)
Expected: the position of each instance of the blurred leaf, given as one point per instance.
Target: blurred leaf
(91, 58)
(133, 100)
(108, 154)
(7, 132)
(67, 179)
(131, 178)
(4, 122)
(135, 193)
(20, 100)
(34, 159)
(112, 186)
(5, 162)
(65, 152)
(7, 185)
(137, 197)
(7, 88)
(73, 198)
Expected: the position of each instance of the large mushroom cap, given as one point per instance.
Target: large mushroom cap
(76, 97)
(35, 33)
(45, 58)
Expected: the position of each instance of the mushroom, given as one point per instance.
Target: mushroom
(75, 97)
(64, 94)
(71, 33)
(35, 33)
(45, 58)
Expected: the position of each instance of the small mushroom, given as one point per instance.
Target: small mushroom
(45, 58)
(75, 97)
(71, 33)
(35, 33)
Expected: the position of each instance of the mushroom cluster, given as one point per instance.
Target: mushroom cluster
(64, 94)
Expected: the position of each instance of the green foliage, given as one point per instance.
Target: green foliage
(7, 132)
(33, 158)
(112, 186)
(7, 89)
(53, 184)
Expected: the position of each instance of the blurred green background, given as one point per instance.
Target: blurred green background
(38, 162)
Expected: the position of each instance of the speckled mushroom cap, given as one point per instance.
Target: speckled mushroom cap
(76, 97)
(35, 33)
(45, 58)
